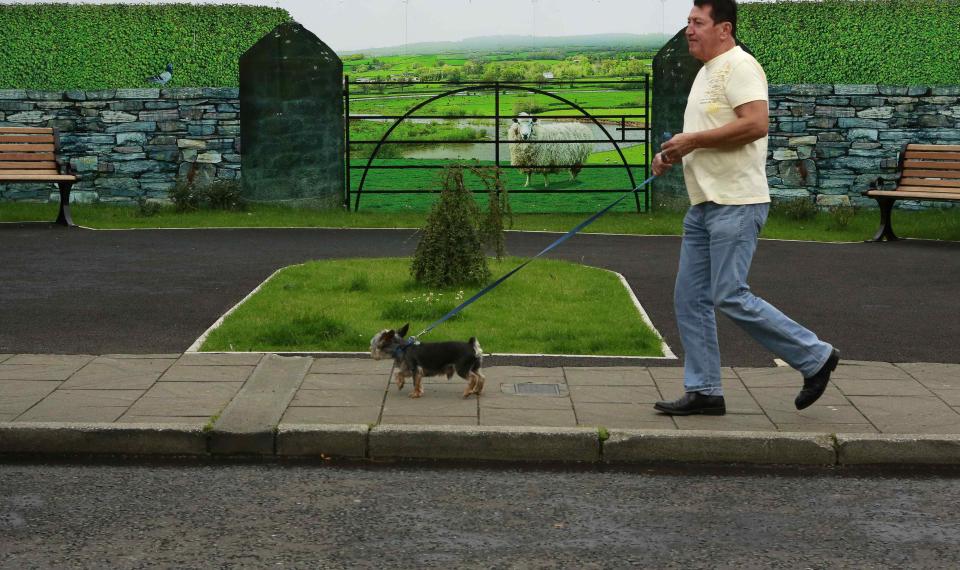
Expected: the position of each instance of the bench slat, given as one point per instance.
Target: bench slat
(24, 147)
(15, 171)
(31, 156)
(26, 130)
(914, 195)
(927, 189)
(45, 138)
(934, 147)
(915, 173)
(932, 155)
(929, 182)
(930, 164)
(948, 160)
(38, 164)
(36, 177)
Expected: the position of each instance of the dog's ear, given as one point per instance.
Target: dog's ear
(403, 330)
(387, 335)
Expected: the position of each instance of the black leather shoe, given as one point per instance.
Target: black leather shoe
(814, 386)
(693, 403)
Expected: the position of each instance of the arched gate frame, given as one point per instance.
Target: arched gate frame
(498, 117)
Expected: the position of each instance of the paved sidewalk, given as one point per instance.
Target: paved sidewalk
(195, 389)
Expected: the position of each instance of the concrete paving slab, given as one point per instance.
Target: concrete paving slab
(220, 359)
(869, 449)
(740, 402)
(184, 420)
(102, 438)
(504, 372)
(614, 376)
(498, 399)
(951, 397)
(860, 387)
(7, 417)
(185, 399)
(526, 417)
(248, 423)
(429, 420)
(118, 374)
(57, 411)
(18, 396)
(782, 398)
(676, 372)
(908, 414)
(786, 413)
(206, 373)
(713, 447)
(172, 356)
(4, 357)
(729, 422)
(672, 388)
(438, 400)
(770, 377)
(350, 366)
(41, 372)
(344, 381)
(933, 375)
(859, 370)
(348, 441)
(75, 361)
(827, 428)
(351, 415)
(614, 394)
(485, 443)
(338, 398)
(627, 416)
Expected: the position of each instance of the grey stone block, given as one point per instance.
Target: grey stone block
(485, 443)
(249, 422)
(111, 439)
(322, 440)
(718, 447)
(879, 449)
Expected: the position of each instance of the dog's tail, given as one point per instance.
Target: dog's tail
(477, 349)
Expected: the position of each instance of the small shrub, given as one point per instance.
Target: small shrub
(147, 208)
(799, 209)
(529, 107)
(190, 196)
(451, 249)
(498, 211)
(359, 283)
(841, 216)
(185, 197)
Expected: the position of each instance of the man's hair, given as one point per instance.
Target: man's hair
(721, 11)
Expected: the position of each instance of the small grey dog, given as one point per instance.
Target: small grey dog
(418, 360)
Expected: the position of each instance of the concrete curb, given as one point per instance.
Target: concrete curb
(583, 445)
(116, 439)
(348, 441)
(485, 443)
(719, 447)
(874, 449)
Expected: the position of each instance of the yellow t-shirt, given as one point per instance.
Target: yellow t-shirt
(726, 175)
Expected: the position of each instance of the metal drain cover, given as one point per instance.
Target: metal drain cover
(531, 389)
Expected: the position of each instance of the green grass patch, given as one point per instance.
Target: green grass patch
(409, 211)
(551, 307)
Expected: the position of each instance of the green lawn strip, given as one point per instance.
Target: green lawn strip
(551, 307)
(409, 211)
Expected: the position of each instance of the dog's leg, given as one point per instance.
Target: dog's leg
(401, 380)
(471, 386)
(417, 383)
(480, 380)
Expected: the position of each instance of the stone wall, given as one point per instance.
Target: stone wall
(130, 143)
(832, 141)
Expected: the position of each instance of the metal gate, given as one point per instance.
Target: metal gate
(497, 87)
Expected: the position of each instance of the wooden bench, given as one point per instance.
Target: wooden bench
(929, 172)
(29, 154)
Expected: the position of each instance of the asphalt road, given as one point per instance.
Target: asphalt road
(327, 516)
(156, 291)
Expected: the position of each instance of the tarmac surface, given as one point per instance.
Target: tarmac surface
(156, 291)
(330, 516)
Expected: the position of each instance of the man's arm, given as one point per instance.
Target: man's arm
(751, 124)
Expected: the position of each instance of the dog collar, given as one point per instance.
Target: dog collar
(400, 348)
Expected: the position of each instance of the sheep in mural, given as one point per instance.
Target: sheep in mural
(547, 158)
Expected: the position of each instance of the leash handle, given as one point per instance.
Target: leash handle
(562, 239)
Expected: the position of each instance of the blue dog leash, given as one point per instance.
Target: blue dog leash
(565, 237)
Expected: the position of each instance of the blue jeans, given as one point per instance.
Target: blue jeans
(718, 246)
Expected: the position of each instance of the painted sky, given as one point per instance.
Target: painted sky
(347, 25)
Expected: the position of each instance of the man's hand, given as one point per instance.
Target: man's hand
(679, 146)
(660, 165)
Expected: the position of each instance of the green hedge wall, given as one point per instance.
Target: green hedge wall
(86, 46)
(892, 42)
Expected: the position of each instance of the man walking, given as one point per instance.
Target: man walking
(723, 149)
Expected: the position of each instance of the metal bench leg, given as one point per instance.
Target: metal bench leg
(64, 218)
(885, 232)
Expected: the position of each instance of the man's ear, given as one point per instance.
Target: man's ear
(403, 330)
